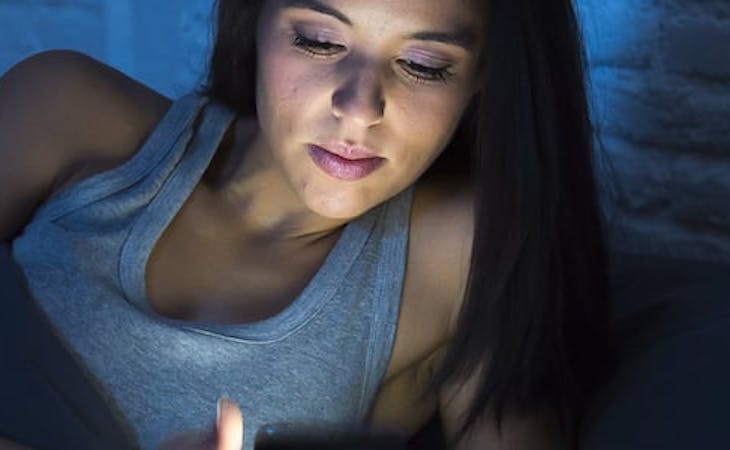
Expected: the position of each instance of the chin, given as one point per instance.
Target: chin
(340, 205)
(337, 210)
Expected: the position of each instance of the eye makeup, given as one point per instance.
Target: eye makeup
(418, 69)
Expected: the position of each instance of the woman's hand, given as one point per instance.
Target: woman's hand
(225, 434)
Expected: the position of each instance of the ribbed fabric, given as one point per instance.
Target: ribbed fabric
(319, 361)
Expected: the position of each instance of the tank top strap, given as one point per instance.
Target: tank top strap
(195, 153)
(163, 147)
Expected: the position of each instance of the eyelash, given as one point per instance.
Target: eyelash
(418, 72)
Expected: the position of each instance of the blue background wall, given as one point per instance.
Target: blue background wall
(661, 80)
(162, 43)
(660, 73)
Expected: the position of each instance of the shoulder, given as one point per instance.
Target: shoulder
(64, 115)
(65, 90)
(92, 110)
(440, 242)
(437, 267)
(438, 259)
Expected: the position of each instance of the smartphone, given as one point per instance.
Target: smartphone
(350, 437)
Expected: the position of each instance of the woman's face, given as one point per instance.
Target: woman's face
(392, 76)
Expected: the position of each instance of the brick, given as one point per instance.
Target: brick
(698, 46)
(717, 9)
(643, 178)
(711, 133)
(683, 189)
(645, 235)
(660, 110)
(620, 33)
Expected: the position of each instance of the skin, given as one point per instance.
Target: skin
(221, 257)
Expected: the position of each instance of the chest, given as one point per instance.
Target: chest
(201, 269)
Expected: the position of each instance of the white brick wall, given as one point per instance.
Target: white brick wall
(661, 77)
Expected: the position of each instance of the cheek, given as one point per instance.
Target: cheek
(290, 94)
(427, 123)
(276, 90)
(285, 77)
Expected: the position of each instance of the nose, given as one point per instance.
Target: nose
(360, 98)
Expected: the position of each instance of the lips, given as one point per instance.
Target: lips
(351, 152)
(344, 162)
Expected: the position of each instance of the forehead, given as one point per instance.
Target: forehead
(394, 13)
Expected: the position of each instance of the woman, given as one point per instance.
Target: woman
(279, 240)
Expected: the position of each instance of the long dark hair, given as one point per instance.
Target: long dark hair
(536, 313)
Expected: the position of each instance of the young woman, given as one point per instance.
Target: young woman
(375, 211)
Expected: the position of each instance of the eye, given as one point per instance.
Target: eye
(314, 47)
(425, 73)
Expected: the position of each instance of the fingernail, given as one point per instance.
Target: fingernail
(219, 405)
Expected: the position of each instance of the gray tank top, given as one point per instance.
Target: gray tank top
(319, 361)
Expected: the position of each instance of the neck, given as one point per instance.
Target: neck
(257, 193)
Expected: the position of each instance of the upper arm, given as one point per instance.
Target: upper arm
(441, 244)
(61, 111)
(537, 430)
(438, 260)
(450, 225)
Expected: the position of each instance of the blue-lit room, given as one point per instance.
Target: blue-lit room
(364, 224)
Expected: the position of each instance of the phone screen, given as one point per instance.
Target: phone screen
(283, 437)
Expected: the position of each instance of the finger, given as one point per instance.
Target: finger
(230, 425)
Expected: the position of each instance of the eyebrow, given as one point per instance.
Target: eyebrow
(462, 37)
(316, 5)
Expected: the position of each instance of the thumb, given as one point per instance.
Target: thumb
(229, 425)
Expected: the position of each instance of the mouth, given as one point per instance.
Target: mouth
(359, 163)
(350, 152)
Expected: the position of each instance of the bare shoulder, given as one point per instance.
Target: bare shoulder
(441, 236)
(64, 115)
(439, 256)
(76, 98)
(438, 259)
(439, 252)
